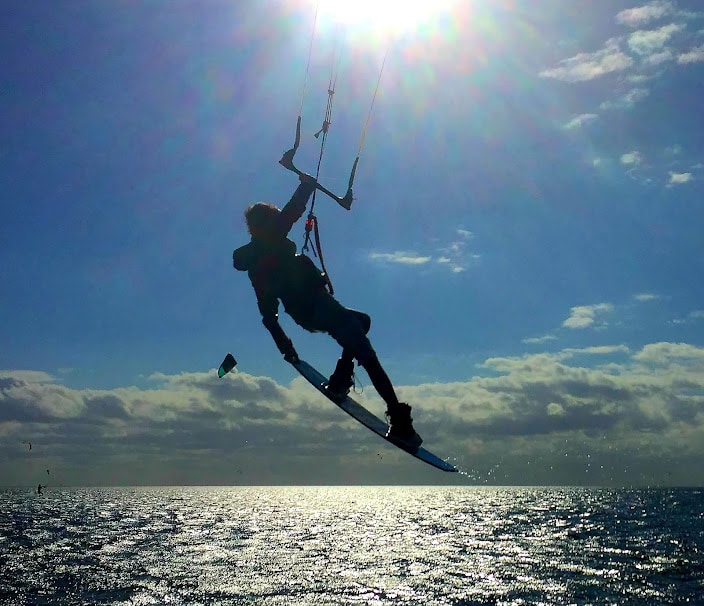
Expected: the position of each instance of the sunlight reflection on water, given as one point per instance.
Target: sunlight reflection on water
(339, 545)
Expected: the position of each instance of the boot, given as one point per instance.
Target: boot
(401, 426)
(342, 379)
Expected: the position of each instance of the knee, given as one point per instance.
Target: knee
(367, 323)
(365, 320)
(367, 359)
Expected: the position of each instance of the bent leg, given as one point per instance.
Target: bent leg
(352, 345)
(349, 328)
(364, 320)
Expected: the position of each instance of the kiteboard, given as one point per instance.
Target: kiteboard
(368, 419)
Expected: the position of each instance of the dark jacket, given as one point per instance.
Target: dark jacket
(277, 273)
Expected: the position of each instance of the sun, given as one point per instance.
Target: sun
(384, 16)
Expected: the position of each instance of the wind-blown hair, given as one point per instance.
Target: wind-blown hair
(261, 217)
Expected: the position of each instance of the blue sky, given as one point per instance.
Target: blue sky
(526, 235)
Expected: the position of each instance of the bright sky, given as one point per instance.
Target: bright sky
(526, 235)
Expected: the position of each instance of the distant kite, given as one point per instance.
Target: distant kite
(30, 444)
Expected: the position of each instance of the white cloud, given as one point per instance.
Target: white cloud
(454, 267)
(640, 78)
(645, 296)
(31, 376)
(453, 256)
(400, 257)
(555, 409)
(628, 100)
(667, 353)
(580, 121)
(584, 316)
(538, 340)
(646, 407)
(696, 55)
(659, 57)
(635, 95)
(692, 316)
(638, 16)
(632, 158)
(679, 178)
(598, 350)
(587, 66)
(648, 42)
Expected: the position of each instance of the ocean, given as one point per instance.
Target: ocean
(351, 545)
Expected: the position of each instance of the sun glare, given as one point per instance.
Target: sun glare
(385, 16)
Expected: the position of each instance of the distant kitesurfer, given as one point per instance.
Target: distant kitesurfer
(39, 489)
(278, 274)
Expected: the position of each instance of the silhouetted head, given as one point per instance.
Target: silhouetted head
(261, 218)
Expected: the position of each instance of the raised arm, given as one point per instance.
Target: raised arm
(296, 206)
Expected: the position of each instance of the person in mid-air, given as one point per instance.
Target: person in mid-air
(278, 274)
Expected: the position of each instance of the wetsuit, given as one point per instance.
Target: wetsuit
(277, 273)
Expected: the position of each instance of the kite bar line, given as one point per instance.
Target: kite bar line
(287, 159)
(305, 79)
(366, 124)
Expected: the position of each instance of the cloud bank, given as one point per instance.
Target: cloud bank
(601, 415)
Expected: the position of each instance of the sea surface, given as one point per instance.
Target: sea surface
(351, 545)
